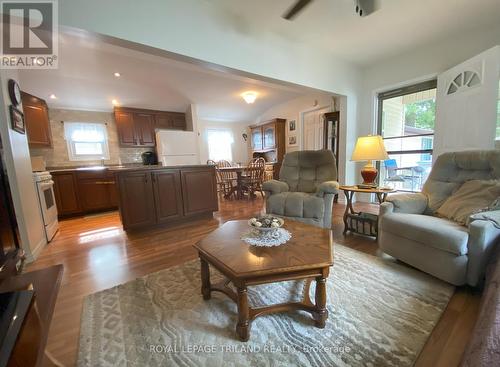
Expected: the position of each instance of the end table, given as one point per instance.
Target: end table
(359, 222)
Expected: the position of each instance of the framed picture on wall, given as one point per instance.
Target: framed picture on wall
(291, 125)
(17, 120)
(292, 140)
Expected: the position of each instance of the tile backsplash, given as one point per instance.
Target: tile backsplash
(57, 156)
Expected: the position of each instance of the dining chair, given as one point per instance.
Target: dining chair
(228, 179)
(254, 177)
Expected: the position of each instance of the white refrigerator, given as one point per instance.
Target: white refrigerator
(177, 148)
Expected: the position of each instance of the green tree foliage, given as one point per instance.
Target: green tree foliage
(421, 114)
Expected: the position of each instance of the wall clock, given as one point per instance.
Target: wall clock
(14, 92)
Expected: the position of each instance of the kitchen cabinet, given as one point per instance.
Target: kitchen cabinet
(36, 119)
(158, 196)
(84, 191)
(145, 129)
(126, 128)
(199, 191)
(257, 141)
(96, 189)
(136, 199)
(65, 192)
(167, 195)
(136, 127)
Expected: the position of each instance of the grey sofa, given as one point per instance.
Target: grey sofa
(452, 252)
(306, 188)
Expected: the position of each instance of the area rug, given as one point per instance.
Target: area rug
(380, 314)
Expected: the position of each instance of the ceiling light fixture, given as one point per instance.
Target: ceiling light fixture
(52, 96)
(249, 97)
(117, 74)
(115, 102)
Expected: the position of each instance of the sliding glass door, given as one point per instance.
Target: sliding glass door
(406, 118)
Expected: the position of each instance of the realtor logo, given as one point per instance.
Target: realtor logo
(29, 34)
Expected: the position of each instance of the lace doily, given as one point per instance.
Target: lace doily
(276, 237)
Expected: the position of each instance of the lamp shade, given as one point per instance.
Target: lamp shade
(369, 148)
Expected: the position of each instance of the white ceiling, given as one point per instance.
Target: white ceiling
(85, 80)
(395, 28)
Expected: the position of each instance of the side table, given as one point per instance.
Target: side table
(359, 222)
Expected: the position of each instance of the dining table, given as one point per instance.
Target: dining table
(239, 175)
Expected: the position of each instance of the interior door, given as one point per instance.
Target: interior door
(314, 129)
(466, 104)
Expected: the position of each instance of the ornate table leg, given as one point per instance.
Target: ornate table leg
(321, 313)
(243, 326)
(205, 279)
(348, 209)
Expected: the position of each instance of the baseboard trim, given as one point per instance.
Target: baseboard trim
(32, 255)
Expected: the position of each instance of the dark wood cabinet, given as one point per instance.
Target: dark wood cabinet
(79, 192)
(36, 119)
(145, 129)
(136, 199)
(167, 195)
(257, 141)
(95, 190)
(199, 191)
(136, 127)
(126, 129)
(66, 193)
(159, 196)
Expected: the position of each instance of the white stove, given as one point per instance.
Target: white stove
(45, 189)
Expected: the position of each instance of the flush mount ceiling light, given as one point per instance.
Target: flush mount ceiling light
(115, 102)
(52, 96)
(117, 74)
(249, 97)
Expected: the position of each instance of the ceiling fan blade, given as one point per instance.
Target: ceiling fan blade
(295, 9)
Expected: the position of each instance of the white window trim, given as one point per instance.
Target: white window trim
(73, 156)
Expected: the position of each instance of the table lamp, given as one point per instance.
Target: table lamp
(369, 148)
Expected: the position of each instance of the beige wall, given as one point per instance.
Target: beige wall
(57, 156)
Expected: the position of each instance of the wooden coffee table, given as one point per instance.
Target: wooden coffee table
(308, 255)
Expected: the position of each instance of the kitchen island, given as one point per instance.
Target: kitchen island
(159, 195)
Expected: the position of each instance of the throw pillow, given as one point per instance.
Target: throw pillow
(472, 197)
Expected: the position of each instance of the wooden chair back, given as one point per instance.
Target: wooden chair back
(255, 170)
(226, 176)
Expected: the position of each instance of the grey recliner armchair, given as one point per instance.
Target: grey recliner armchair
(306, 188)
(409, 231)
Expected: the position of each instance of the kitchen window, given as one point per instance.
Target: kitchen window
(86, 141)
(220, 143)
(406, 119)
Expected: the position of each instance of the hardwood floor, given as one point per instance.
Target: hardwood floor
(97, 254)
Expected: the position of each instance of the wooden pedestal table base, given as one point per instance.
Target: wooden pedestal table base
(308, 255)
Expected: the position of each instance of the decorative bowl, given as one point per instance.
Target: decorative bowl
(268, 223)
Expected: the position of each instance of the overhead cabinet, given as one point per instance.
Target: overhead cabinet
(36, 119)
(136, 127)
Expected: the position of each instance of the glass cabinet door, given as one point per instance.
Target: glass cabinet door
(269, 137)
(257, 138)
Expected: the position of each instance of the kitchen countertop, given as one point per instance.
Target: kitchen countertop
(122, 168)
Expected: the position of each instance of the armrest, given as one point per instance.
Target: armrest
(275, 187)
(327, 187)
(484, 234)
(411, 203)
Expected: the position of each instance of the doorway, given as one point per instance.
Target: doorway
(313, 128)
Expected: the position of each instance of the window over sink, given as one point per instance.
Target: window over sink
(86, 141)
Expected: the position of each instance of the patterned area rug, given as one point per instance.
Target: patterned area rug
(380, 313)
